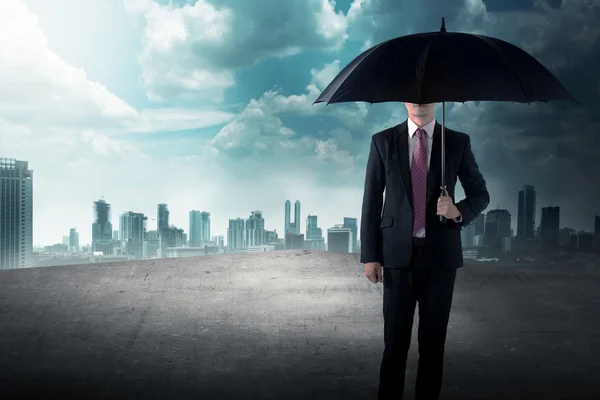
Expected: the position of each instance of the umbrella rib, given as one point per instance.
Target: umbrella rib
(513, 76)
(424, 69)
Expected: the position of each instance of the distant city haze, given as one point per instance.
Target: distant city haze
(131, 239)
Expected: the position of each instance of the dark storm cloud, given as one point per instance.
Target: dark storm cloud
(516, 5)
(274, 28)
(508, 5)
(555, 146)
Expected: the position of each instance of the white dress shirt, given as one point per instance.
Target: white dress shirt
(412, 143)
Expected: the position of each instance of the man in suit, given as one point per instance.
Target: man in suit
(404, 235)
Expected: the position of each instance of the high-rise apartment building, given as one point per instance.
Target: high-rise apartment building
(550, 226)
(479, 225)
(467, 236)
(497, 227)
(133, 233)
(16, 214)
(199, 228)
(286, 218)
(73, 240)
(313, 232)
(102, 228)
(162, 217)
(526, 213)
(297, 217)
(236, 239)
(352, 224)
(205, 229)
(340, 239)
(255, 229)
(170, 237)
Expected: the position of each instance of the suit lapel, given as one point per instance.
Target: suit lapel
(433, 176)
(401, 142)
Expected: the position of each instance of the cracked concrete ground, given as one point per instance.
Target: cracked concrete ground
(283, 325)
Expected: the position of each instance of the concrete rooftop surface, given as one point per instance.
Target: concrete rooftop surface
(283, 325)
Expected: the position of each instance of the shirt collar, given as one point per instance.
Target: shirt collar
(412, 128)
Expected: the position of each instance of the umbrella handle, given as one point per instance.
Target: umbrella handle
(443, 219)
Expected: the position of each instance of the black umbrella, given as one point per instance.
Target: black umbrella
(444, 67)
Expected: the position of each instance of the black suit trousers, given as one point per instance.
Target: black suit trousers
(432, 288)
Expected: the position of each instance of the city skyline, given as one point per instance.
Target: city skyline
(492, 229)
(302, 229)
(527, 213)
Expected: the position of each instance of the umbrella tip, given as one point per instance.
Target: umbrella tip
(443, 28)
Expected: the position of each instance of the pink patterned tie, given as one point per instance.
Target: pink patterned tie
(419, 181)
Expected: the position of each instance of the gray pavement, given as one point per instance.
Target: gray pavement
(283, 325)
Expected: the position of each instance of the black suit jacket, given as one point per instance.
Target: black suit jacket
(386, 237)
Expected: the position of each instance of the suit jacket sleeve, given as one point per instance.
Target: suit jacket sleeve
(371, 207)
(477, 197)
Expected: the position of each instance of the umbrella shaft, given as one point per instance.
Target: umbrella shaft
(443, 145)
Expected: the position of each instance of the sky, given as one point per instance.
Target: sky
(207, 105)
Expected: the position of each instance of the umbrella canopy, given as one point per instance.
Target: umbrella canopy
(444, 67)
(439, 67)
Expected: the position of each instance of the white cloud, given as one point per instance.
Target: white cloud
(31, 76)
(174, 119)
(104, 145)
(40, 89)
(194, 50)
(350, 114)
(258, 131)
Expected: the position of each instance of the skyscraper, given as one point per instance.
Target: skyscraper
(102, 228)
(297, 217)
(597, 226)
(550, 226)
(162, 217)
(479, 225)
(194, 228)
(292, 227)
(170, 237)
(205, 228)
(351, 223)
(16, 214)
(339, 239)
(313, 232)
(73, 239)
(235, 234)
(286, 218)
(526, 212)
(199, 228)
(133, 233)
(497, 227)
(468, 236)
(255, 229)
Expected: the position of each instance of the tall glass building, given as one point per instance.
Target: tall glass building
(16, 214)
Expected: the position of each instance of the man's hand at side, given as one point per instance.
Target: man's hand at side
(373, 272)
